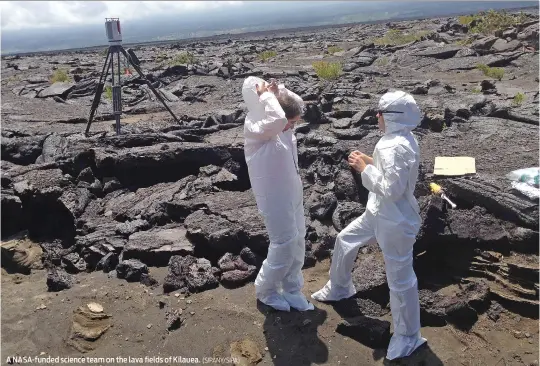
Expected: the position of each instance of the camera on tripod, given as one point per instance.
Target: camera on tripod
(114, 35)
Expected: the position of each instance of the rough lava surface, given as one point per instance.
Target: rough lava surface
(177, 195)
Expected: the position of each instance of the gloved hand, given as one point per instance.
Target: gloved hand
(261, 88)
(357, 161)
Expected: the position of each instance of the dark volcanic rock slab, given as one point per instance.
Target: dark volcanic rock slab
(439, 52)
(189, 274)
(157, 246)
(22, 150)
(131, 270)
(485, 192)
(58, 280)
(460, 308)
(60, 89)
(369, 277)
(345, 213)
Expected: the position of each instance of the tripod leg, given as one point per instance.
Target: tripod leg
(99, 90)
(116, 91)
(156, 93)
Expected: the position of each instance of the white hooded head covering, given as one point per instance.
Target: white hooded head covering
(400, 101)
(251, 98)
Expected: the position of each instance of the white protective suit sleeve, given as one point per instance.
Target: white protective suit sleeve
(392, 184)
(273, 123)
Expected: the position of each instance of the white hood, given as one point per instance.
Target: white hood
(251, 98)
(400, 101)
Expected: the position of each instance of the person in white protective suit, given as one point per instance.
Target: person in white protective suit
(391, 219)
(272, 160)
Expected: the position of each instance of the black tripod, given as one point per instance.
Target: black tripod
(117, 86)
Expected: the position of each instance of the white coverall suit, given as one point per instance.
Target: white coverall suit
(272, 161)
(391, 219)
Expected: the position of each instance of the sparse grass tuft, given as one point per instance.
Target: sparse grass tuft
(266, 55)
(492, 72)
(382, 61)
(476, 90)
(395, 37)
(108, 92)
(328, 70)
(60, 76)
(489, 22)
(334, 49)
(465, 42)
(518, 100)
(184, 58)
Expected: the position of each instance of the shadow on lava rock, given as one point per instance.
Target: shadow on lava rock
(293, 339)
(422, 356)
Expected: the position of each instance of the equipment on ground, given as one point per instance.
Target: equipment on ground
(437, 189)
(114, 34)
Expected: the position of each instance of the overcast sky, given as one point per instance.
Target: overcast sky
(43, 14)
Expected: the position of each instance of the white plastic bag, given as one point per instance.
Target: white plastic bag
(530, 176)
(527, 189)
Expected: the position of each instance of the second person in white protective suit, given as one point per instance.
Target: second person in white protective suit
(272, 160)
(391, 219)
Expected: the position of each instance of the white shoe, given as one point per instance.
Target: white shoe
(275, 301)
(298, 301)
(333, 293)
(403, 346)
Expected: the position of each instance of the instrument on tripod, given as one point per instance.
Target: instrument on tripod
(114, 34)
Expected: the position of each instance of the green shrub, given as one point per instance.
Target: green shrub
(266, 55)
(466, 19)
(60, 76)
(327, 70)
(519, 98)
(492, 72)
(108, 92)
(184, 58)
(334, 49)
(395, 37)
(489, 22)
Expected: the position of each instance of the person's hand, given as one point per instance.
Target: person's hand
(273, 87)
(357, 162)
(367, 159)
(261, 88)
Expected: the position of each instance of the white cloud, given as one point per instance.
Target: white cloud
(42, 14)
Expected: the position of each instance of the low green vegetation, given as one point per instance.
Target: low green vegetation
(395, 37)
(465, 42)
(184, 58)
(60, 76)
(476, 90)
(266, 55)
(108, 92)
(327, 70)
(382, 61)
(492, 72)
(519, 98)
(334, 49)
(489, 22)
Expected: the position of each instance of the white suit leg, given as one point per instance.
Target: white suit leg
(294, 280)
(283, 234)
(357, 234)
(396, 241)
